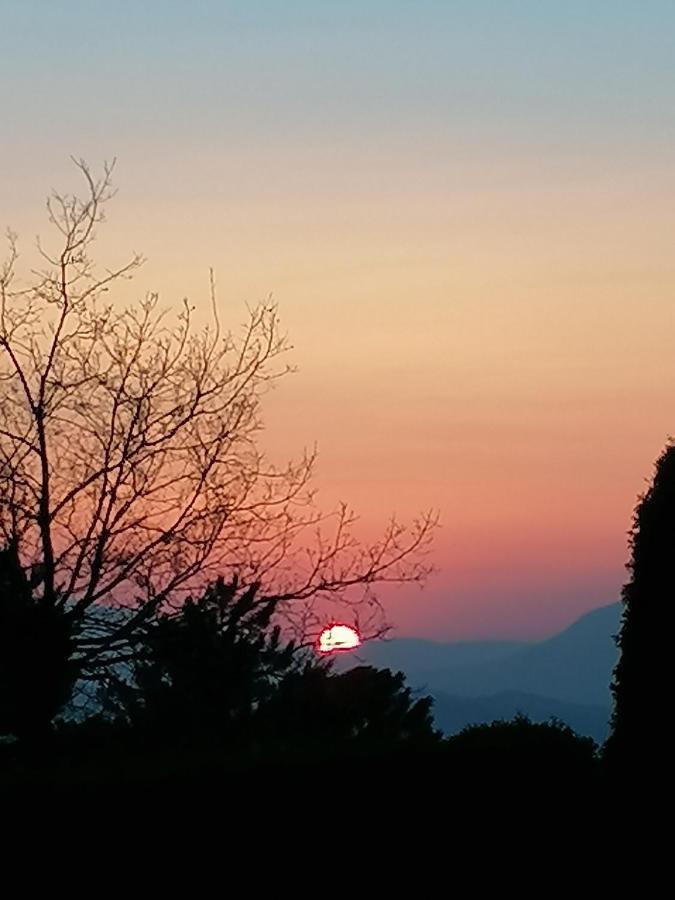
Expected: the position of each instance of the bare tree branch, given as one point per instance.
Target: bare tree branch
(129, 468)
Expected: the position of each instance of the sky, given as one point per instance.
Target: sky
(465, 212)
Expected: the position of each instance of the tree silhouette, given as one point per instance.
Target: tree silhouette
(36, 643)
(202, 673)
(129, 471)
(316, 708)
(641, 685)
(524, 744)
(218, 673)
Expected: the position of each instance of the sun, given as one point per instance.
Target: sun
(338, 637)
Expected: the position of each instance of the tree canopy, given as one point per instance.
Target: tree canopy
(130, 470)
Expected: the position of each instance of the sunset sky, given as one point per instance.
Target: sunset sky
(466, 211)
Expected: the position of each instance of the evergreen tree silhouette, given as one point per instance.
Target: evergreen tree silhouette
(36, 644)
(218, 674)
(640, 686)
(202, 673)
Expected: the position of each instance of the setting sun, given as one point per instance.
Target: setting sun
(338, 637)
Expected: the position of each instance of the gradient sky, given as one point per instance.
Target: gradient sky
(465, 211)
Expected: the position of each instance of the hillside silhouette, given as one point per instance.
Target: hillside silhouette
(566, 676)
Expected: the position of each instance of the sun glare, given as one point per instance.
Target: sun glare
(338, 637)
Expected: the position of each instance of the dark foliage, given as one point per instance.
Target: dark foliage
(364, 706)
(640, 683)
(215, 699)
(36, 642)
(525, 745)
(219, 673)
(202, 673)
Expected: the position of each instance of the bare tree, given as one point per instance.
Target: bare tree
(129, 469)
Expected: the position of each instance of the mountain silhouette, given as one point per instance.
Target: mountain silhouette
(423, 656)
(567, 675)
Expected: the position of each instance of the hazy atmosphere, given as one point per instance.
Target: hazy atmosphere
(337, 422)
(464, 211)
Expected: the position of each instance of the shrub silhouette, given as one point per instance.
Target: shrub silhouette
(520, 744)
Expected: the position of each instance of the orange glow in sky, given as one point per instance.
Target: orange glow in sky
(338, 637)
(470, 241)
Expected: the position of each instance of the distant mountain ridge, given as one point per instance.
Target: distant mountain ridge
(423, 655)
(566, 676)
